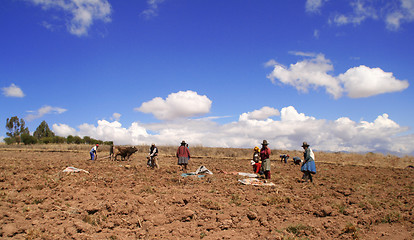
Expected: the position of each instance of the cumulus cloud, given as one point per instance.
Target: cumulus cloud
(315, 72)
(107, 131)
(177, 105)
(12, 91)
(44, 110)
(152, 10)
(261, 114)
(63, 130)
(83, 13)
(288, 132)
(363, 81)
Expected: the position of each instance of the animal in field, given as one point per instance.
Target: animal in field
(124, 152)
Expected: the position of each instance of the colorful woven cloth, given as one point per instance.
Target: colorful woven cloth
(255, 182)
(74, 170)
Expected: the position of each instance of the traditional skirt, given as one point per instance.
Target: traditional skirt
(309, 167)
(183, 160)
(266, 165)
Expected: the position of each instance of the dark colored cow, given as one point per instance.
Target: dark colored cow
(124, 152)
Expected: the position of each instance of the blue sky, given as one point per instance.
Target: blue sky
(337, 74)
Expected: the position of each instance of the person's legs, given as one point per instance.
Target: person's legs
(148, 161)
(267, 175)
(92, 156)
(305, 176)
(155, 162)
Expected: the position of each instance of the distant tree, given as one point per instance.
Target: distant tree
(70, 139)
(57, 139)
(43, 131)
(46, 140)
(28, 139)
(9, 140)
(87, 139)
(16, 127)
(77, 140)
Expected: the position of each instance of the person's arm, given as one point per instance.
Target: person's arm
(188, 152)
(306, 156)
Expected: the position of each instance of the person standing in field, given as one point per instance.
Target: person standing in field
(183, 155)
(111, 151)
(153, 156)
(264, 156)
(256, 160)
(94, 152)
(308, 167)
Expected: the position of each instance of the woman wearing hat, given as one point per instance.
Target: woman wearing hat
(308, 167)
(264, 156)
(183, 155)
(256, 160)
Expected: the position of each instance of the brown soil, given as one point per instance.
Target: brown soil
(125, 200)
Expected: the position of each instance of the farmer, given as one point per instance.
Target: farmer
(296, 160)
(183, 155)
(264, 156)
(308, 167)
(94, 152)
(284, 157)
(256, 160)
(111, 151)
(153, 157)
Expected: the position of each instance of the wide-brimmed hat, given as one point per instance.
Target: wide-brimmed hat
(305, 144)
(265, 142)
(183, 142)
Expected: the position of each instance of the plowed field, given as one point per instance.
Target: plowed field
(126, 200)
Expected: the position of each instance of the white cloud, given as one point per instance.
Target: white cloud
(152, 10)
(63, 130)
(361, 11)
(405, 13)
(357, 82)
(271, 63)
(44, 110)
(308, 73)
(107, 131)
(177, 105)
(12, 91)
(83, 13)
(392, 12)
(316, 33)
(116, 116)
(313, 5)
(288, 132)
(262, 114)
(289, 114)
(363, 81)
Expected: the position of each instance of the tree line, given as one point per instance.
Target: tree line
(17, 133)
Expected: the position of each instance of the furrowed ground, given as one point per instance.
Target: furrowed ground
(352, 197)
